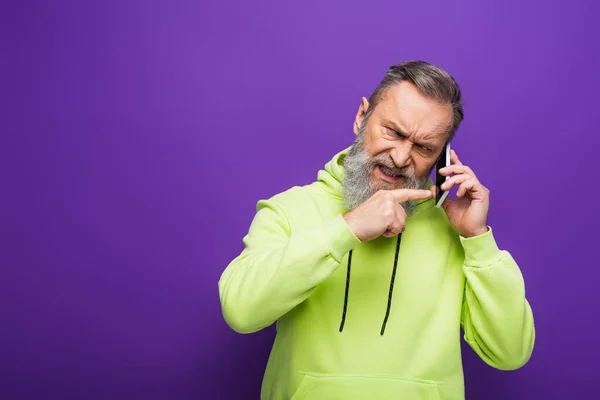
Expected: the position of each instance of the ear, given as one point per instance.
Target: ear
(360, 115)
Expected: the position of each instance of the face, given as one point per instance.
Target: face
(397, 146)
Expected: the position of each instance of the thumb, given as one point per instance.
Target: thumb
(446, 203)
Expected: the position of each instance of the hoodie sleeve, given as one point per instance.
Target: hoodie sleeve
(496, 317)
(278, 269)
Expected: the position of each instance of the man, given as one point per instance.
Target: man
(368, 281)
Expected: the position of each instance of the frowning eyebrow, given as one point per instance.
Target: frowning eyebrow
(393, 126)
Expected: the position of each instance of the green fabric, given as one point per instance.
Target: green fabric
(292, 271)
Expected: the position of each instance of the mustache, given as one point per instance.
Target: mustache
(388, 166)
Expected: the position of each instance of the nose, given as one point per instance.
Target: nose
(401, 154)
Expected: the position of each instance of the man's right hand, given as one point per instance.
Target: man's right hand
(382, 213)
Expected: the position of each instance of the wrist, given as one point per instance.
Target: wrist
(475, 232)
(352, 225)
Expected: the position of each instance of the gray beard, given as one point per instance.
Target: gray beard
(358, 185)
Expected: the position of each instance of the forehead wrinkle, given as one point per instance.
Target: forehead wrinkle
(438, 130)
(411, 131)
(399, 114)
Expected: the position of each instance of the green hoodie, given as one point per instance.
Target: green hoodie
(372, 320)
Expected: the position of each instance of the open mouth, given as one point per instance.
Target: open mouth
(389, 175)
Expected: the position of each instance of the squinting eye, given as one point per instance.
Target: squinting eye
(395, 133)
(425, 149)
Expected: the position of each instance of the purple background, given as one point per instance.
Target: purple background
(137, 137)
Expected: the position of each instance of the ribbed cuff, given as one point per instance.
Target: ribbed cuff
(342, 239)
(480, 250)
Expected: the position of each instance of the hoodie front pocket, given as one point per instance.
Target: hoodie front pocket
(354, 387)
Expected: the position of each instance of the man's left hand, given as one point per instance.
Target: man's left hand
(468, 212)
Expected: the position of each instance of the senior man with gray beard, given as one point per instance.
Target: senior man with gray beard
(368, 282)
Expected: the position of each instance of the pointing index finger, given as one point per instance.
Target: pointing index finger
(403, 195)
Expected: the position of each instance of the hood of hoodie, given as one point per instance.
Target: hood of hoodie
(330, 179)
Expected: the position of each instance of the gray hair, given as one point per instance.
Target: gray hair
(431, 81)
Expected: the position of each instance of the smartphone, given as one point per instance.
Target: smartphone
(442, 162)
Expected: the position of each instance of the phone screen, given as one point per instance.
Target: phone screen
(442, 162)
